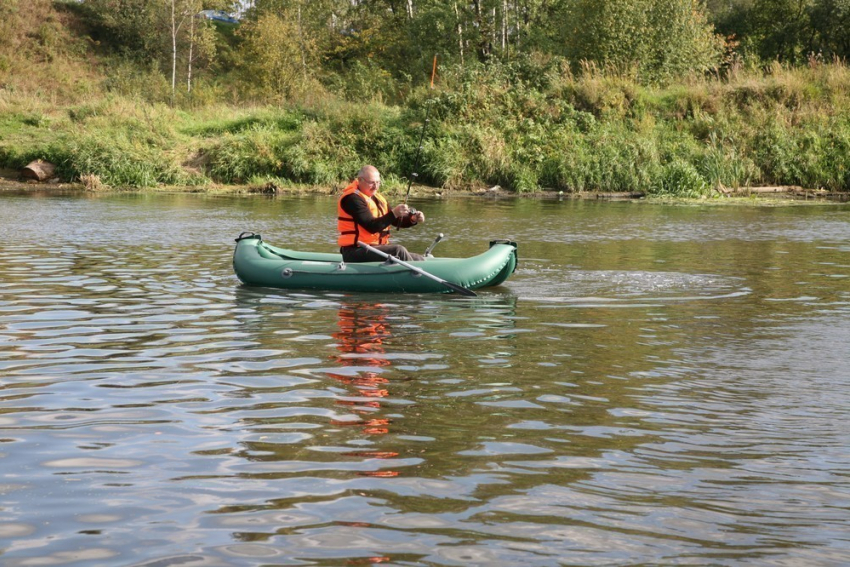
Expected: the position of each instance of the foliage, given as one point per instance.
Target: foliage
(127, 26)
(279, 60)
(657, 40)
(169, 33)
(791, 31)
(41, 51)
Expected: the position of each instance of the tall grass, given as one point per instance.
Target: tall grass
(594, 132)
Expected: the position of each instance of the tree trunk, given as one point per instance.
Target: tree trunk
(505, 27)
(493, 27)
(173, 51)
(191, 50)
(483, 45)
(39, 170)
(459, 32)
(301, 43)
(519, 23)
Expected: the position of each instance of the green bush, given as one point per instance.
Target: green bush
(119, 162)
(255, 151)
(680, 179)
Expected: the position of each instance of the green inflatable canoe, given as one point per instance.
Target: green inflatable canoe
(260, 264)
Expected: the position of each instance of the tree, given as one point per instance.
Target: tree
(790, 31)
(659, 39)
(279, 59)
(178, 18)
(781, 29)
(128, 26)
(168, 32)
(831, 24)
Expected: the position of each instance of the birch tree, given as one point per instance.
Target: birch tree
(166, 32)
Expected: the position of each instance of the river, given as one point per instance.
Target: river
(656, 385)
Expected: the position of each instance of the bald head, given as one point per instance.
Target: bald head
(368, 179)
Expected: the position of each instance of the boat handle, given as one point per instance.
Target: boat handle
(247, 234)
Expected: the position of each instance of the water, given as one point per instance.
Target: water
(655, 385)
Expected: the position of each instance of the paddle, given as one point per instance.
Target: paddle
(420, 271)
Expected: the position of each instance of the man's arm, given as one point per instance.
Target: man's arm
(359, 211)
(361, 214)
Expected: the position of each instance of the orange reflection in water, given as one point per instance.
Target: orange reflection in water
(368, 561)
(362, 331)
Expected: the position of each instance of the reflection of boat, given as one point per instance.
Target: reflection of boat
(261, 264)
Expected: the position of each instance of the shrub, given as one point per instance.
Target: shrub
(680, 179)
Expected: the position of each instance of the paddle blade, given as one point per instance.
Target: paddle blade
(459, 289)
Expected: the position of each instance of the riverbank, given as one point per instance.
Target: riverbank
(11, 181)
(529, 124)
(564, 135)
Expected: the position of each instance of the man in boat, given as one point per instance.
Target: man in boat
(363, 215)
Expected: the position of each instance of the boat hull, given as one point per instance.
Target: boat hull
(260, 264)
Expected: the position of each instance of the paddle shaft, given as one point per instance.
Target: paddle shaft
(454, 287)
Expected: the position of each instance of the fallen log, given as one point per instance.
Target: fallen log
(619, 195)
(39, 170)
(761, 190)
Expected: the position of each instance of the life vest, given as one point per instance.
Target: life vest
(350, 233)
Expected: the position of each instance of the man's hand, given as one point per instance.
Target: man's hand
(401, 211)
(418, 217)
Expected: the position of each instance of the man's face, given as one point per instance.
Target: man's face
(369, 182)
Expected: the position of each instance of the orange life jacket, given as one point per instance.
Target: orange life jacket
(350, 233)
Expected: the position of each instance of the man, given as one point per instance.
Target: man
(363, 215)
